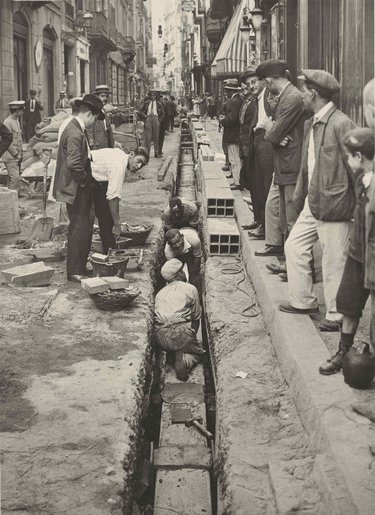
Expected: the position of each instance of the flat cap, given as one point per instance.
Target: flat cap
(231, 84)
(17, 104)
(322, 79)
(271, 68)
(171, 268)
(32, 92)
(102, 88)
(361, 139)
(62, 92)
(249, 72)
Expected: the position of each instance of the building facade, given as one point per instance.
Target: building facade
(72, 45)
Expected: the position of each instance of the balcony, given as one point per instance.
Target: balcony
(129, 49)
(100, 34)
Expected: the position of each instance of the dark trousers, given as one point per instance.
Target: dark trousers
(81, 221)
(248, 180)
(161, 137)
(263, 168)
(194, 268)
(171, 123)
(103, 214)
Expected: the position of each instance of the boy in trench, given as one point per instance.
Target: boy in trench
(177, 317)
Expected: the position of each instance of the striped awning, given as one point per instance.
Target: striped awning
(231, 58)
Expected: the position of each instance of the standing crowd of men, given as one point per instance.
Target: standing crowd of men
(309, 171)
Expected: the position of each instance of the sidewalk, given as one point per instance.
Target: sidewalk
(339, 437)
(71, 381)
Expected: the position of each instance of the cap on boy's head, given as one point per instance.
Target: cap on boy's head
(174, 201)
(271, 68)
(171, 268)
(32, 92)
(361, 140)
(322, 79)
(15, 105)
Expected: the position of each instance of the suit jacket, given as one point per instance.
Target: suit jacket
(370, 238)
(159, 108)
(101, 134)
(247, 114)
(170, 109)
(32, 118)
(66, 104)
(231, 122)
(6, 138)
(331, 189)
(73, 167)
(290, 116)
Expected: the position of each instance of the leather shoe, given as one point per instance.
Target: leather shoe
(287, 308)
(235, 187)
(284, 277)
(258, 233)
(157, 155)
(76, 278)
(330, 326)
(276, 269)
(250, 227)
(270, 250)
(225, 168)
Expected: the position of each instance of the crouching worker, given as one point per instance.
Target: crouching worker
(180, 213)
(185, 245)
(177, 316)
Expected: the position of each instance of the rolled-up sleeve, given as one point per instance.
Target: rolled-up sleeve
(116, 174)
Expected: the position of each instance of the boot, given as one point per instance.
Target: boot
(334, 364)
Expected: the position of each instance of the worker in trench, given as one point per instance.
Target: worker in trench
(185, 245)
(177, 318)
(180, 213)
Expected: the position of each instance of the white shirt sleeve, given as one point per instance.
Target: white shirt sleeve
(116, 174)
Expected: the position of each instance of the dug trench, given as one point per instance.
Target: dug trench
(261, 461)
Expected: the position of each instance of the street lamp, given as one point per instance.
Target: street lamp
(82, 25)
(250, 30)
(257, 16)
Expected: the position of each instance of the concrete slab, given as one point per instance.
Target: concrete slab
(182, 491)
(94, 285)
(182, 456)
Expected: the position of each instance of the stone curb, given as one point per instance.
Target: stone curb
(323, 403)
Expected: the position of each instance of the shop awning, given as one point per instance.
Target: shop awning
(231, 57)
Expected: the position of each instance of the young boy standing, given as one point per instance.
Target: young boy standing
(352, 294)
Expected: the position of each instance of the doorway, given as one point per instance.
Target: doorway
(48, 69)
(20, 46)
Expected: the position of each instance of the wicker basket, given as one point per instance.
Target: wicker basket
(136, 233)
(115, 300)
(116, 265)
(97, 246)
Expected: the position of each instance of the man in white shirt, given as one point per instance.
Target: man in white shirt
(185, 245)
(177, 317)
(13, 156)
(109, 166)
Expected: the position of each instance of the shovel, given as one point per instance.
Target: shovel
(43, 226)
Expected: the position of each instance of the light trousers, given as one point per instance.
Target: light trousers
(235, 161)
(151, 133)
(334, 240)
(13, 170)
(274, 235)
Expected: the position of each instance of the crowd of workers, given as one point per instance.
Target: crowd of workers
(308, 169)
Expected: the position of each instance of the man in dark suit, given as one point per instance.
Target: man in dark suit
(73, 183)
(31, 115)
(153, 114)
(170, 113)
(231, 124)
(6, 138)
(101, 133)
(286, 135)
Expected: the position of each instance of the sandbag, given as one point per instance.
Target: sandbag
(49, 137)
(28, 162)
(37, 169)
(42, 144)
(33, 141)
(26, 154)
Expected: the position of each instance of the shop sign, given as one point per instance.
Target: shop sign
(188, 5)
(82, 51)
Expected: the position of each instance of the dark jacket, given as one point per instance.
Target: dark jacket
(170, 109)
(289, 117)
(6, 138)
(331, 191)
(231, 122)
(159, 108)
(102, 134)
(73, 168)
(247, 113)
(370, 239)
(32, 118)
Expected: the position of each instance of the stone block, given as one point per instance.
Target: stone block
(182, 491)
(116, 283)
(34, 274)
(94, 285)
(100, 258)
(182, 456)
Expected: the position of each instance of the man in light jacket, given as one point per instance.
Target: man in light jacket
(325, 199)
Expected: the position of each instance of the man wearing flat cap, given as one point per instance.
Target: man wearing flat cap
(13, 156)
(177, 317)
(32, 115)
(285, 134)
(62, 103)
(231, 123)
(324, 198)
(74, 184)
